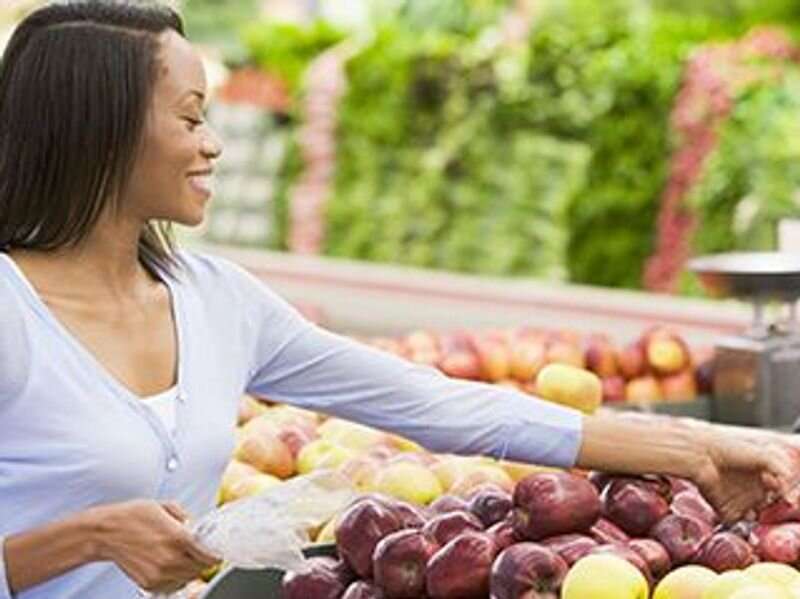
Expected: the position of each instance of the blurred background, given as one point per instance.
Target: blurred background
(599, 143)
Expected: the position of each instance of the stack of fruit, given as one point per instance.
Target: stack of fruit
(658, 366)
(556, 534)
(278, 441)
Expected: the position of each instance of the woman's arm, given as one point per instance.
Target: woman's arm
(144, 538)
(733, 473)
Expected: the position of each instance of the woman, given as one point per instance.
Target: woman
(122, 361)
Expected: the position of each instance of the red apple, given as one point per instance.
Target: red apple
(679, 386)
(462, 364)
(606, 532)
(448, 503)
(655, 556)
(318, 582)
(445, 527)
(691, 503)
(600, 480)
(399, 563)
(554, 503)
(704, 377)
(295, 437)
(360, 528)
(503, 534)
(601, 358)
(632, 506)
(725, 551)
(564, 352)
(490, 505)
(363, 590)
(461, 569)
(527, 571)
(495, 358)
(631, 361)
(681, 536)
(779, 543)
(571, 547)
(527, 359)
(613, 389)
(779, 512)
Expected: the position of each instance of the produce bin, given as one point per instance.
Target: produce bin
(235, 583)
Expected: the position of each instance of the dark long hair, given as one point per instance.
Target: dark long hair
(76, 82)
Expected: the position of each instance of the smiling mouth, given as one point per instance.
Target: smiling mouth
(204, 183)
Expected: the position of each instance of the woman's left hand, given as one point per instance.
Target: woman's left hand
(739, 476)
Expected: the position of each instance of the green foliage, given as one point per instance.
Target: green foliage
(286, 49)
(753, 178)
(216, 23)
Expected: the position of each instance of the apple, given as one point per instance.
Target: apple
(681, 536)
(564, 352)
(519, 470)
(570, 547)
(450, 468)
(779, 543)
(554, 503)
(267, 453)
(633, 506)
(654, 554)
(680, 386)
(339, 569)
(318, 582)
(643, 390)
(775, 573)
(761, 591)
(445, 527)
(613, 389)
(361, 471)
(448, 503)
(725, 551)
(461, 569)
(527, 571)
(725, 585)
(604, 576)
(503, 534)
(410, 515)
(295, 437)
(600, 480)
(631, 361)
(235, 471)
(478, 476)
(411, 482)
(351, 435)
(363, 590)
(606, 532)
(527, 359)
(322, 453)
(687, 582)
(779, 512)
(359, 529)
(421, 340)
(570, 386)
(704, 377)
(494, 357)
(666, 352)
(692, 503)
(629, 555)
(601, 358)
(249, 408)
(327, 534)
(399, 563)
(251, 486)
(490, 505)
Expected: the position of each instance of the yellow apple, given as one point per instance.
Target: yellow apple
(480, 475)
(761, 591)
(249, 408)
(405, 445)
(449, 468)
(604, 576)
(518, 470)
(322, 453)
(687, 582)
(774, 572)
(350, 434)
(408, 481)
(361, 470)
(252, 485)
(327, 533)
(793, 589)
(234, 472)
(570, 386)
(728, 583)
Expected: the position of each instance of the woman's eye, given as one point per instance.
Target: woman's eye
(193, 123)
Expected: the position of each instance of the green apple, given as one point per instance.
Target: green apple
(604, 576)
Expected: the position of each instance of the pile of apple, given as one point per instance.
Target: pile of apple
(658, 366)
(276, 442)
(557, 534)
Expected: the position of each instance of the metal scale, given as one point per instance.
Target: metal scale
(757, 373)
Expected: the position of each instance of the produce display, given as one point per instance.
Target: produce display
(657, 366)
(556, 534)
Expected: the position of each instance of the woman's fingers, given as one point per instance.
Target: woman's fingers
(175, 510)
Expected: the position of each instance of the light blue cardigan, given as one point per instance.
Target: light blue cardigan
(72, 436)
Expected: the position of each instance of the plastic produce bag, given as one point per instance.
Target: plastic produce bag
(269, 530)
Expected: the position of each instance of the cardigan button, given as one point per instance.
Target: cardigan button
(172, 464)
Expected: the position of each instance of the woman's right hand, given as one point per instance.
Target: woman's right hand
(148, 541)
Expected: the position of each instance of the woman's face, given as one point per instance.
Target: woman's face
(172, 176)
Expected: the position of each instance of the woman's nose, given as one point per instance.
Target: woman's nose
(212, 145)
